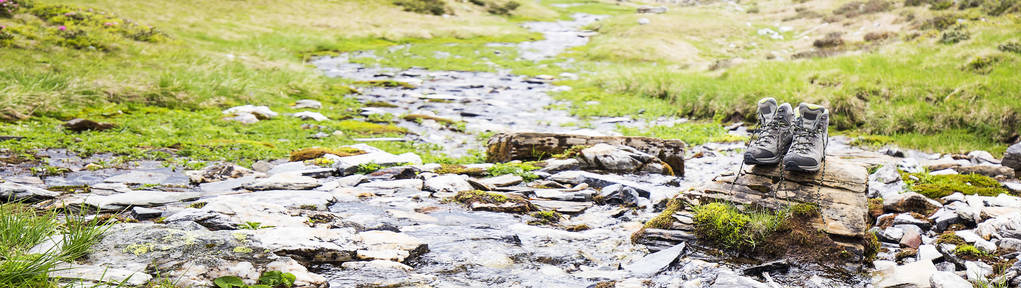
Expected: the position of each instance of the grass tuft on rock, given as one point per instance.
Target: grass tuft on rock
(949, 237)
(22, 228)
(316, 152)
(938, 186)
(545, 217)
(728, 227)
(515, 168)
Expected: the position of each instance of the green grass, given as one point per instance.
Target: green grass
(938, 186)
(521, 169)
(692, 133)
(22, 228)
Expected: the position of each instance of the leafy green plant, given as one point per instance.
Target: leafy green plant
(957, 34)
(268, 279)
(253, 226)
(520, 169)
(368, 168)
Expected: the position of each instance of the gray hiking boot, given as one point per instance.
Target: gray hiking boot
(811, 131)
(774, 135)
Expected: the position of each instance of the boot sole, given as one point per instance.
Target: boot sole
(751, 160)
(792, 166)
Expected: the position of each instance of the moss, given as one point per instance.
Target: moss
(477, 196)
(386, 83)
(871, 247)
(950, 237)
(139, 249)
(807, 210)
(665, 219)
(546, 217)
(969, 252)
(316, 152)
(197, 205)
(507, 203)
(360, 127)
(605, 284)
(724, 225)
(242, 250)
(875, 207)
(460, 169)
(368, 168)
(938, 186)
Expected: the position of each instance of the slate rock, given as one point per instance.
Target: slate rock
(651, 264)
(948, 280)
(915, 274)
(1012, 157)
(284, 181)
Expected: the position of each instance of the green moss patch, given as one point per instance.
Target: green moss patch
(460, 169)
(360, 127)
(520, 169)
(727, 226)
(545, 217)
(498, 202)
(938, 186)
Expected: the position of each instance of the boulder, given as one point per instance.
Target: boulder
(447, 184)
(307, 115)
(21, 192)
(839, 190)
(911, 202)
(219, 172)
(121, 201)
(621, 159)
(987, 170)
(531, 146)
(1012, 157)
(307, 104)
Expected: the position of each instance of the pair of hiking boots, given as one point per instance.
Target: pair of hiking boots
(800, 142)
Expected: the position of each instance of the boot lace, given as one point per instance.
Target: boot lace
(803, 138)
(770, 133)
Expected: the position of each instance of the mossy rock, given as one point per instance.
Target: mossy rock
(316, 152)
(489, 201)
(460, 170)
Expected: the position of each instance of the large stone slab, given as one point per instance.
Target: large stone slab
(839, 190)
(532, 146)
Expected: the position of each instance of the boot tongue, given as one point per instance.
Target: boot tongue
(767, 108)
(784, 114)
(810, 115)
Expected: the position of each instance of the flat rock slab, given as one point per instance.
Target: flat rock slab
(531, 146)
(839, 190)
(146, 178)
(97, 273)
(569, 207)
(138, 198)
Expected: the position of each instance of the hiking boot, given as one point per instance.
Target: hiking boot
(774, 135)
(811, 132)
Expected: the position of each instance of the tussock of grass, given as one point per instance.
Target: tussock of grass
(938, 186)
(22, 228)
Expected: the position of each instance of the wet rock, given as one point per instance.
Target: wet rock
(21, 192)
(987, 170)
(143, 213)
(502, 180)
(557, 165)
(729, 279)
(406, 184)
(906, 218)
(284, 181)
(96, 273)
(349, 165)
(391, 243)
(948, 280)
(915, 274)
(394, 173)
(525, 146)
(117, 202)
(943, 218)
(79, 125)
(599, 181)
(569, 207)
(447, 184)
(929, 252)
(911, 202)
(620, 194)
(218, 172)
(651, 264)
(193, 257)
(307, 104)
(139, 177)
(621, 159)
(306, 115)
(261, 112)
(772, 267)
(378, 273)
(309, 245)
(1010, 244)
(1012, 157)
(886, 174)
(556, 194)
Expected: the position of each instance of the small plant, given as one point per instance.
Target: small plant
(546, 217)
(572, 152)
(253, 226)
(1012, 47)
(728, 227)
(8, 8)
(504, 9)
(957, 34)
(520, 169)
(368, 168)
(950, 238)
(981, 64)
(941, 5)
(434, 7)
(269, 279)
(969, 252)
